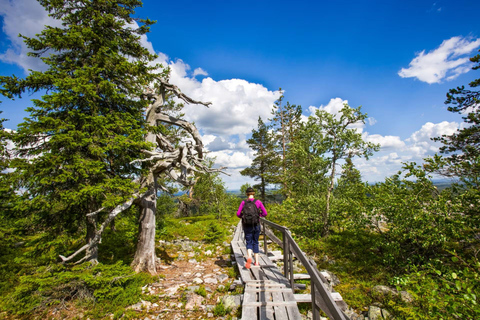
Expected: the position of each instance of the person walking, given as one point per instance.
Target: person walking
(250, 211)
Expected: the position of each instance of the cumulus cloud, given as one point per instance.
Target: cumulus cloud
(218, 144)
(448, 61)
(200, 72)
(386, 142)
(231, 160)
(27, 18)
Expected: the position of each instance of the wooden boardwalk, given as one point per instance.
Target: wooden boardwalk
(268, 294)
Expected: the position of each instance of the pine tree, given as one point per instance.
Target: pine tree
(285, 123)
(265, 164)
(76, 146)
(463, 147)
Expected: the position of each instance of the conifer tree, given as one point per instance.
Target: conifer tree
(463, 146)
(76, 147)
(285, 123)
(265, 164)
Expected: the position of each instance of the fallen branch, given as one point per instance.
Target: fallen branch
(98, 234)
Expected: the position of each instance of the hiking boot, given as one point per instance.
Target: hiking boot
(249, 263)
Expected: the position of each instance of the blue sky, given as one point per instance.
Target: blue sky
(397, 59)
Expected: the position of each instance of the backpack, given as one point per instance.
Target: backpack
(250, 213)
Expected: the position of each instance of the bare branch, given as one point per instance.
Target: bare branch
(173, 88)
(98, 234)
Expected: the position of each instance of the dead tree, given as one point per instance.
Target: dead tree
(164, 159)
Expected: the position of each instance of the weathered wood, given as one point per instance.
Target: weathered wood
(301, 276)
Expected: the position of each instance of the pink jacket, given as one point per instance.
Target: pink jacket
(258, 203)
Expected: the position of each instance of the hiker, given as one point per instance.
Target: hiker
(250, 211)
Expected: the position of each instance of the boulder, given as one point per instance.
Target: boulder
(375, 313)
(232, 302)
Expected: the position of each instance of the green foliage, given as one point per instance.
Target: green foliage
(201, 291)
(264, 166)
(463, 146)
(219, 310)
(102, 288)
(82, 135)
(285, 126)
(415, 220)
(443, 291)
(214, 233)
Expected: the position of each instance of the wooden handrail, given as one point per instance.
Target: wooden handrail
(321, 297)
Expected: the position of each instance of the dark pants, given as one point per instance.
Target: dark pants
(252, 233)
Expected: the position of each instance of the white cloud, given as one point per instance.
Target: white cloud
(386, 142)
(28, 18)
(218, 144)
(430, 130)
(448, 61)
(200, 72)
(371, 121)
(231, 160)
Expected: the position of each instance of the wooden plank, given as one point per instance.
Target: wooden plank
(301, 276)
(249, 312)
(280, 311)
(270, 303)
(266, 313)
(336, 296)
(244, 272)
(303, 297)
(293, 312)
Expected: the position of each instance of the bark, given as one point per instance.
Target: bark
(92, 251)
(326, 217)
(177, 163)
(145, 259)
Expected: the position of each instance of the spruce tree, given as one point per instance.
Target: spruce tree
(76, 147)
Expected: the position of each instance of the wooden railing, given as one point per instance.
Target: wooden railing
(321, 296)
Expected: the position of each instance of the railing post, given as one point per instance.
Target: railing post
(286, 253)
(289, 270)
(315, 313)
(265, 249)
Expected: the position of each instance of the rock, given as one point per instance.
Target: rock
(208, 252)
(353, 315)
(209, 315)
(383, 291)
(193, 300)
(193, 288)
(197, 281)
(222, 278)
(142, 305)
(232, 302)
(386, 314)
(406, 297)
(211, 281)
(332, 278)
(192, 261)
(235, 284)
(172, 290)
(374, 313)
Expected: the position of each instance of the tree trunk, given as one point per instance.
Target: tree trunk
(145, 258)
(326, 217)
(91, 252)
